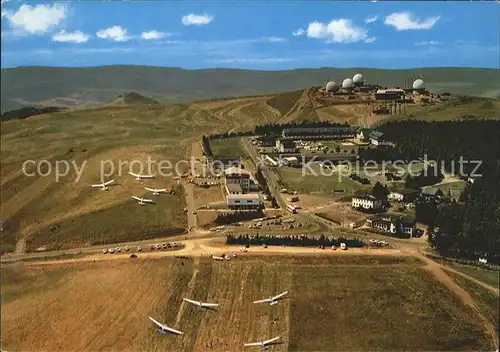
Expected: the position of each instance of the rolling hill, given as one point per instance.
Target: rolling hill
(91, 86)
(133, 127)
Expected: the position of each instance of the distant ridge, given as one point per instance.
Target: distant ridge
(28, 111)
(32, 86)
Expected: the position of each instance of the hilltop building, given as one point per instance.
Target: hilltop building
(347, 85)
(419, 86)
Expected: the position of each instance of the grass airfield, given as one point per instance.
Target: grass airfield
(335, 303)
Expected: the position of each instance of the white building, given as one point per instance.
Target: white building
(283, 146)
(395, 197)
(409, 228)
(366, 202)
(241, 177)
(243, 201)
(290, 161)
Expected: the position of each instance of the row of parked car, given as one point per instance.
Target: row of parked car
(118, 249)
(161, 246)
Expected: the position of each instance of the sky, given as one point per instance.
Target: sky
(271, 35)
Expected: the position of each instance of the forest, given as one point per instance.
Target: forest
(28, 111)
(237, 216)
(293, 241)
(470, 227)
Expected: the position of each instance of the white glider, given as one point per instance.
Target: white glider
(201, 305)
(264, 345)
(140, 177)
(156, 191)
(142, 201)
(163, 329)
(272, 300)
(103, 186)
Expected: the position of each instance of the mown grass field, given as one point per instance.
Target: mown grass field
(293, 179)
(487, 301)
(490, 277)
(335, 303)
(227, 147)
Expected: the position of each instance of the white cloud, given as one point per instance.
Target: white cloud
(299, 32)
(371, 19)
(70, 37)
(6, 13)
(153, 35)
(430, 42)
(115, 33)
(273, 39)
(197, 20)
(370, 40)
(36, 19)
(337, 31)
(404, 21)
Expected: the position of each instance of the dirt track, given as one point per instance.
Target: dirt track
(439, 273)
(206, 247)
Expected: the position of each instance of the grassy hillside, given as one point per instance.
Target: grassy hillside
(88, 86)
(55, 213)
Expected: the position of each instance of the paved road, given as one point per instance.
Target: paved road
(191, 216)
(271, 177)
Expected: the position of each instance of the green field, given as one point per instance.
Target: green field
(490, 277)
(334, 303)
(227, 147)
(293, 179)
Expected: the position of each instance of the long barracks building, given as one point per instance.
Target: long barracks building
(323, 133)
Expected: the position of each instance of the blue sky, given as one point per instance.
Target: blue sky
(255, 35)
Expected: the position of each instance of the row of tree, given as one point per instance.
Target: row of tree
(205, 143)
(237, 216)
(293, 241)
(224, 135)
(265, 187)
(273, 129)
(277, 129)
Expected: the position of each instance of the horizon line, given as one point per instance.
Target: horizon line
(250, 69)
